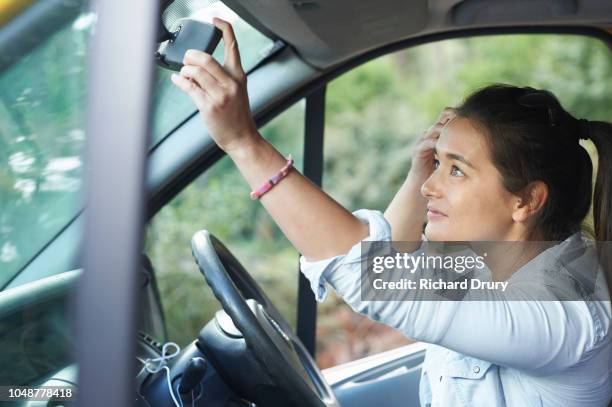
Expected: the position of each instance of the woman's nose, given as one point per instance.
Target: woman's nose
(430, 189)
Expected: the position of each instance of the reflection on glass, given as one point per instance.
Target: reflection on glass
(42, 109)
(42, 132)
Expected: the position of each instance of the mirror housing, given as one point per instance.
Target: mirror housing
(187, 34)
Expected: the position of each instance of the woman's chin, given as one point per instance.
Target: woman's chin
(438, 233)
(432, 233)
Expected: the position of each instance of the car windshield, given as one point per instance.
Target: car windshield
(42, 131)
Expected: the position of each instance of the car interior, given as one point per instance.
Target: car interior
(248, 353)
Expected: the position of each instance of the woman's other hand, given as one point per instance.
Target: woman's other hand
(219, 92)
(406, 211)
(423, 154)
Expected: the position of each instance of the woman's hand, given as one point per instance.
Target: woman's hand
(315, 224)
(406, 211)
(219, 92)
(423, 154)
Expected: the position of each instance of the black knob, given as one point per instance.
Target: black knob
(193, 375)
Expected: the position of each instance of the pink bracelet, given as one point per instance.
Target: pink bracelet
(275, 179)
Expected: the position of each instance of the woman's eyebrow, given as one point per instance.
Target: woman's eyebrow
(457, 157)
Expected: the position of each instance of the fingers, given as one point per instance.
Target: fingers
(195, 92)
(232, 68)
(207, 62)
(433, 131)
(447, 114)
(231, 59)
(427, 144)
(203, 79)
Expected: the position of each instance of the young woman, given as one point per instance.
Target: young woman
(506, 165)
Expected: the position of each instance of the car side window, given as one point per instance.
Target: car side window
(42, 134)
(375, 112)
(219, 201)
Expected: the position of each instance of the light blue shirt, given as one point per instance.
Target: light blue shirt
(492, 353)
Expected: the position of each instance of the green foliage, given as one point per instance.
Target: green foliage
(218, 201)
(358, 87)
(377, 129)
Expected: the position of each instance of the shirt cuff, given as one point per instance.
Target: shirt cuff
(317, 271)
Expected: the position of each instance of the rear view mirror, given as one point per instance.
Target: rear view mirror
(187, 34)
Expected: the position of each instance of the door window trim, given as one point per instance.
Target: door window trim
(213, 153)
(314, 129)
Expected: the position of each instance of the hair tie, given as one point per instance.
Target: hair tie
(584, 129)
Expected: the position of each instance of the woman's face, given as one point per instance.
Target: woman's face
(466, 197)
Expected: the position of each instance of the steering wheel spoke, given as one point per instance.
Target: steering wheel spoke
(268, 336)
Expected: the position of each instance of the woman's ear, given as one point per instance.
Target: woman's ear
(530, 201)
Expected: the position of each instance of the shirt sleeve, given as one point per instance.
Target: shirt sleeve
(343, 274)
(543, 336)
(317, 272)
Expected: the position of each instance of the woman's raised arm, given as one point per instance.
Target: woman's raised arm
(315, 223)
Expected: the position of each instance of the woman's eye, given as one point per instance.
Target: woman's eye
(456, 172)
(436, 163)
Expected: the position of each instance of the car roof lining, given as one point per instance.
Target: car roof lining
(327, 33)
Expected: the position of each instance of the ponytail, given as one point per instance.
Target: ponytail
(600, 134)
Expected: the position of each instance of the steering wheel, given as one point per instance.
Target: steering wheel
(268, 336)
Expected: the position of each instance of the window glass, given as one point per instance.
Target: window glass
(43, 98)
(219, 201)
(42, 133)
(375, 112)
(171, 105)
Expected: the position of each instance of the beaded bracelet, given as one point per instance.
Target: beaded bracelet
(275, 179)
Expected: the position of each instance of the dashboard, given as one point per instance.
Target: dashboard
(38, 349)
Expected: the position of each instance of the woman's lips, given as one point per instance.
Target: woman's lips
(433, 214)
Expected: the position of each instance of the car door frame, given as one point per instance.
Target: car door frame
(118, 131)
(402, 364)
(61, 250)
(314, 93)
